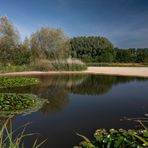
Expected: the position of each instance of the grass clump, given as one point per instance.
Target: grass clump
(59, 65)
(4, 69)
(8, 140)
(12, 103)
(8, 82)
(69, 65)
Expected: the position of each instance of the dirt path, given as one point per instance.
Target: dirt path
(123, 71)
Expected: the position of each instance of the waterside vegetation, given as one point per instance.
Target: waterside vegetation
(51, 49)
(8, 82)
(118, 138)
(9, 140)
(12, 104)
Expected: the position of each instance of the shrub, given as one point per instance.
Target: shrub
(69, 65)
(42, 65)
(65, 65)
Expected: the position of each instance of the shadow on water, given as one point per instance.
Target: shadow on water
(82, 103)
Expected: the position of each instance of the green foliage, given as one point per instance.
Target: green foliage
(6, 69)
(63, 65)
(8, 140)
(99, 49)
(7, 82)
(12, 103)
(42, 65)
(21, 56)
(92, 48)
(9, 40)
(142, 55)
(49, 43)
(69, 67)
(118, 64)
(52, 44)
(118, 138)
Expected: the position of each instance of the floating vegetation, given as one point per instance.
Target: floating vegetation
(12, 104)
(8, 82)
(118, 138)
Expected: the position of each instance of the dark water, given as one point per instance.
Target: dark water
(82, 103)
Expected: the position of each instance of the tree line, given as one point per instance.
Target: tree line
(45, 43)
(100, 49)
(53, 44)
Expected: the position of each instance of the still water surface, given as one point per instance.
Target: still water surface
(82, 103)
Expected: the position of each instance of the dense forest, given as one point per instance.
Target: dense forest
(100, 49)
(52, 44)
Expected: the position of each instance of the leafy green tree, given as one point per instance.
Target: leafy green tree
(22, 54)
(92, 49)
(142, 55)
(49, 43)
(9, 40)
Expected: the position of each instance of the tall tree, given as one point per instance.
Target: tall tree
(92, 48)
(49, 43)
(9, 39)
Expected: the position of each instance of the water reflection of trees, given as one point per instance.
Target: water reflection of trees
(98, 85)
(55, 88)
(57, 99)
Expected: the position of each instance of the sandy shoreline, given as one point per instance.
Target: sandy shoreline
(122, 71)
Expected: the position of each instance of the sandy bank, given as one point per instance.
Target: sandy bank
(123, 71)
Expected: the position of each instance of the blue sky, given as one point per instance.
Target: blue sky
(124, 22)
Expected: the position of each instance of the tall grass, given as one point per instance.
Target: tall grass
(8, 140)
(60, 65)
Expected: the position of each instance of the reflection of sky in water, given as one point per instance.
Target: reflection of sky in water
(83, 104)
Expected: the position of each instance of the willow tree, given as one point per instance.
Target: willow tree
(9, 40)
(49, 43)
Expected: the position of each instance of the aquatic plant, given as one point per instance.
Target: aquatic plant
(118, 138)
(8, 82)
(12, 103)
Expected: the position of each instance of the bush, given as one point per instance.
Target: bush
(42, 65)
(69, 65)
(65, 65)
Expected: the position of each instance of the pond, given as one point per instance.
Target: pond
(82, 104)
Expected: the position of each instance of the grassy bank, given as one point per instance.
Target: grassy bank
(46, 65)
(118, 64)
